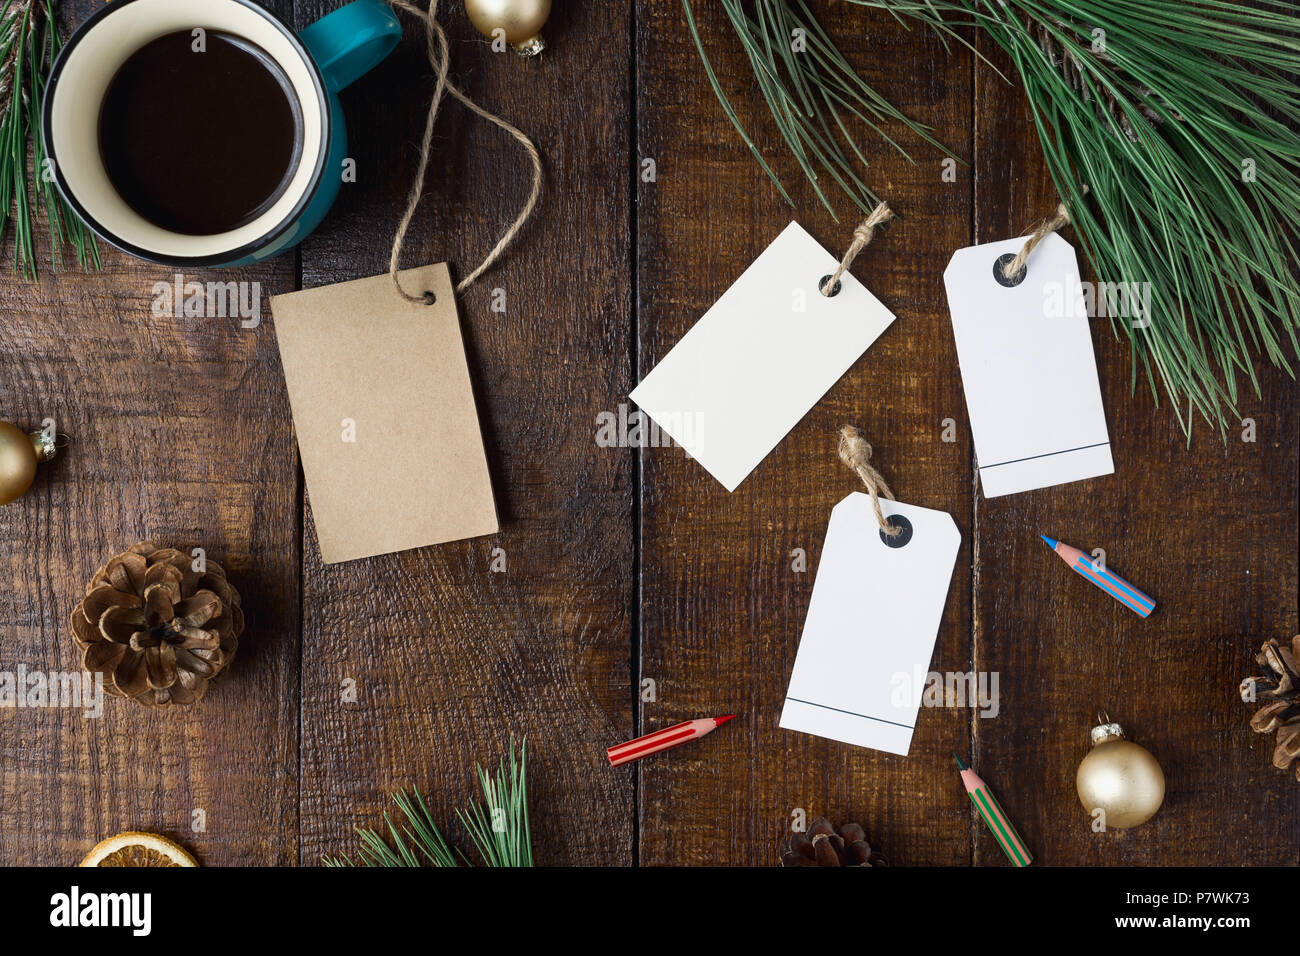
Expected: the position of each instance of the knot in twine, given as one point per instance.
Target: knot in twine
(440, 59)
(862, 235)
(855, 452)
(1059, 220)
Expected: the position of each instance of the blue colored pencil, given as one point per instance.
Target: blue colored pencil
(1107, 580)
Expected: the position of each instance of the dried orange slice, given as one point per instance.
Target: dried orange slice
(138, 849)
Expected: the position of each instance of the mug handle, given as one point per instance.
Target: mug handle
(352, 41)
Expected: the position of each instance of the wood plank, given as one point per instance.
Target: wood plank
(450, 658)
(723, 609)
(1209, 531)
(181, 435)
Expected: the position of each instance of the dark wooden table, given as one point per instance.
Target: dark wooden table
(628, 565)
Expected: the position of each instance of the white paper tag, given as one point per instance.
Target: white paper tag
(761, 357)
(1028, 368)
(871, 626)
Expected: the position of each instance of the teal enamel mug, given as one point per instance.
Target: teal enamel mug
(284, 161)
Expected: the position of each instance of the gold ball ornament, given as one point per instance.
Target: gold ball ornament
(520, 22)
(20, 453)
(1120, 778)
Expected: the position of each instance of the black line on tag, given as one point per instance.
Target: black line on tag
(1049, 454)
(851, 713)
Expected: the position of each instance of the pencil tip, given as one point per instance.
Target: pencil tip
(719, 721)
(961, 764)
(1051, 542)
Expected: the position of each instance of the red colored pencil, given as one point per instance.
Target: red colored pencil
(665, 739)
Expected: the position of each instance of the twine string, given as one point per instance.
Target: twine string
(1058, 220)
(862, 235)
(439, 59)
(855, 452)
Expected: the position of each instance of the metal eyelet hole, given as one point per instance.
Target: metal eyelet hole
(430, 298)
(1002, 262)
(904, 535)
(835, 289)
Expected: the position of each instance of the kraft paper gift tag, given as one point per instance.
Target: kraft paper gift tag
(761, 357)
(385, 416)
(871, 625)
(1028, 368)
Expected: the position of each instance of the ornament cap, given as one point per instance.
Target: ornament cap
(1105, 730)
(531, 47)
(46, 446)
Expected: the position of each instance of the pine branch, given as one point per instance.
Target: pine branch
(1181, 120)
(813, 94)
(29, 42)
(1172, 207)
(498, 828)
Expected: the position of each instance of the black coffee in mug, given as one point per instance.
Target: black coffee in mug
(200, 141)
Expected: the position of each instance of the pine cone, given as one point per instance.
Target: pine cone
(826, 845)
(158, 630)
(1279, 690)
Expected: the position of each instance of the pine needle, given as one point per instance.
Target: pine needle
(29, 42)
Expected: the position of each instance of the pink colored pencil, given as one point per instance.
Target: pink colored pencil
(994, 816)
(665, 739)
(1107, 580)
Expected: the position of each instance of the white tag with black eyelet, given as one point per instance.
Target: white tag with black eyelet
(761, 357)
(1027, 367)
(872, 624)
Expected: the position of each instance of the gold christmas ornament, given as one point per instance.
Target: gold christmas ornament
(520, 22)
(20, 453)
(1120, 778)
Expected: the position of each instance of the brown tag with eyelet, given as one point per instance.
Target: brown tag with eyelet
(384, 411)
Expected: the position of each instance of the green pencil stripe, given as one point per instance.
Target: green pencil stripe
(1004, 840)
(994, 829)
(999, 833)
(1020, 844)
